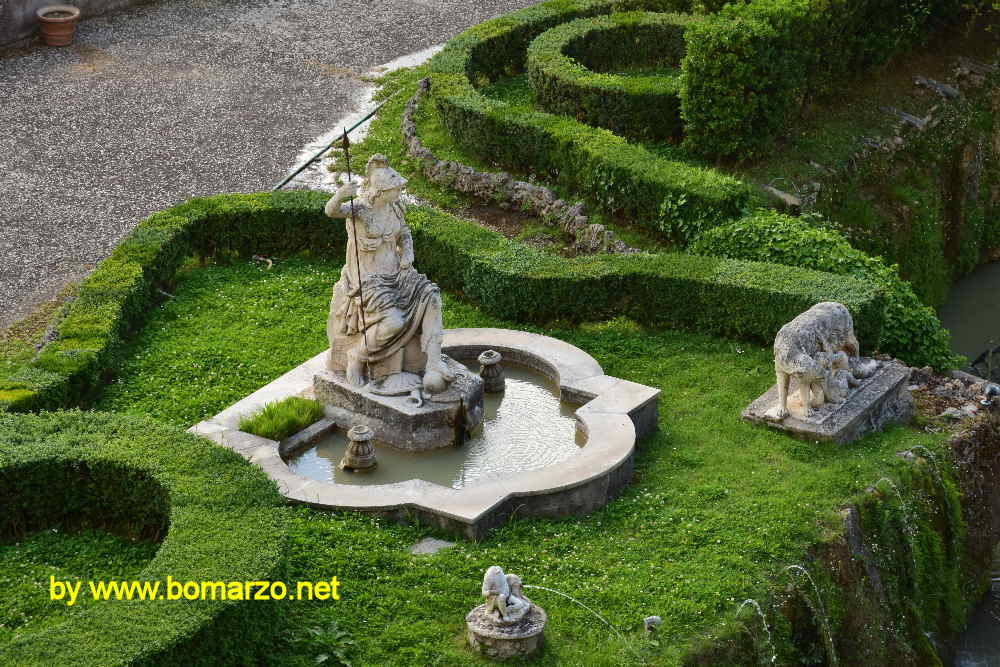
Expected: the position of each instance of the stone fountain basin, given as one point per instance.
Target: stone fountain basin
(613, 414)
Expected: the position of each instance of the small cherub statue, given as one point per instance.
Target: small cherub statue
(504, 598)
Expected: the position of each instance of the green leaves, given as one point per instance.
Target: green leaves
(910, 330)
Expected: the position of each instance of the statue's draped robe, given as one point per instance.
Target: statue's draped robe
(408, 291)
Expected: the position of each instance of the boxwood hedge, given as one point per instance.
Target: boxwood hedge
(736, 298)
(673, 197)
(911, 330)
(220, 518)
(565, 63)
(749, 67)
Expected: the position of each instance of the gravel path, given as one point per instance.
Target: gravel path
(163, 102)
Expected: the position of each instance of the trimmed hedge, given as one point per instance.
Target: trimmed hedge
(749, 67)
(509, 279)
(732, 298)
(911, 330)
(224, 521)
(673, 197)
(564, 66)
(117, 294)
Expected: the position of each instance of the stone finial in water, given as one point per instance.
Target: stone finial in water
(491, 372)
(508, 624)
(360, 454)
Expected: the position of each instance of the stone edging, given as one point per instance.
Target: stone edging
(500, 187)
(615, 413)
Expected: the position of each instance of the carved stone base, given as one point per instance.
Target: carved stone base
(879, 400)
(501, 642)
(399, 420)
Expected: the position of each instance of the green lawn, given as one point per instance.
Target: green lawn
(717, 508)
(27, 566)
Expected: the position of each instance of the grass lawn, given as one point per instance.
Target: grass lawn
(26, 567)
(717, 508)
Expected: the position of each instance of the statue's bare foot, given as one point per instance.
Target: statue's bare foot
(777, 413)
(434, 381)
(442, 368)
(355, 372)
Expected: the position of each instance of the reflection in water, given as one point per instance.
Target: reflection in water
(980, 643)
(972, 314)
(525, 428)
(972, 311)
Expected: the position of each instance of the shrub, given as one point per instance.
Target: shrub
(117, 294)
(280, 419)
(733, 298)
(507, 278)
(749, 67)
(223, 520)
(673, 197)
(911, 331)
(564, 66)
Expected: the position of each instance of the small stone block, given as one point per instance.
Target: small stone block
(429, 546)
(879, 400)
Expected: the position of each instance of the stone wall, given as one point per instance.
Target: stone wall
(18, 21)
(502, 189)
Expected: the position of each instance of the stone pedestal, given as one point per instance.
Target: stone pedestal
(410, 422)
(501, 642)
(360, 454)
(879, 400)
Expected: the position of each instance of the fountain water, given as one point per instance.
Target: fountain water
(391, 368)
(763, 620)
(601, 618)
(820, 610)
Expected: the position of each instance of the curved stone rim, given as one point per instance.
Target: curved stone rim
(614, 413)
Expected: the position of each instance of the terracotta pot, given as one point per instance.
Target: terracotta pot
(58, 23)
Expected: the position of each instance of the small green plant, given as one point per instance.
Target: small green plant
(330, 641)
(281, 419)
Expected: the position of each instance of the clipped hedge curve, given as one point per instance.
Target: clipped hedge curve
(509, 279)
(562, 68)
(226, 523)
(675, 198)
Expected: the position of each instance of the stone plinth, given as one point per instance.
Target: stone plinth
(879, 400)
(501, 642)
(403, 422)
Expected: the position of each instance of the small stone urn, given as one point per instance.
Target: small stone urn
(360, 454)
(491, 372)
(58, 24)
(507, 625)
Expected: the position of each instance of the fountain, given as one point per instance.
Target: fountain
(540, 429)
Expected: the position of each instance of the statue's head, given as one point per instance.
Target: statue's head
(381, 180)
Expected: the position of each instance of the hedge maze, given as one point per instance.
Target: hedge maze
(611, 80)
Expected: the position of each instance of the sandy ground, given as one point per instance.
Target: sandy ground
(167, 101)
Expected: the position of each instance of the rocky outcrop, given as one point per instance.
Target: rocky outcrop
(503, 189)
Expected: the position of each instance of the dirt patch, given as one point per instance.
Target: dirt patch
(522, 227)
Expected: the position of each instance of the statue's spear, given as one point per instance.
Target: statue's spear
(357, 255)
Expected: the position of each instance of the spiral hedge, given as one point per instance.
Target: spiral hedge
(672, 197)
(564, 66)
(723, 296)
(220, 519)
